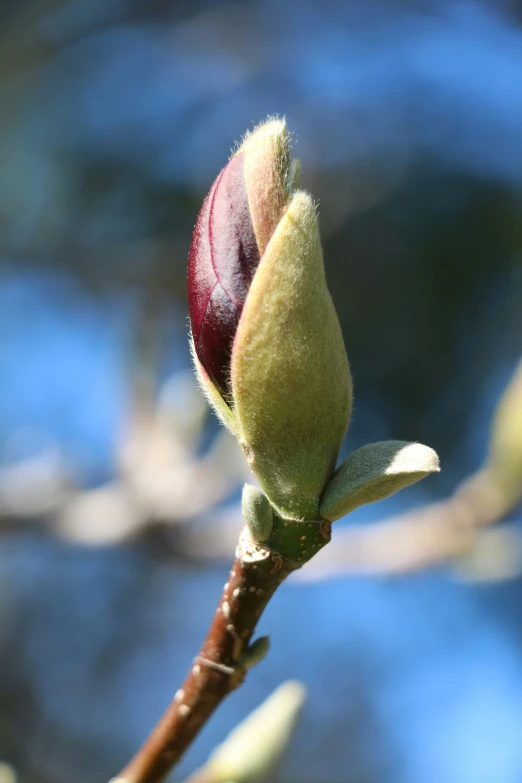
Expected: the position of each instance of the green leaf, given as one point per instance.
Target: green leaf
(374, 472)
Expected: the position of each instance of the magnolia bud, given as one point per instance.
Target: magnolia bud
(257, 512)
(267, 343)
(237, 219)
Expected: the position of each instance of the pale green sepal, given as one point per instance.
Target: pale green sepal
(257, 512)
(290, 376)
(255, 652)
(223, 411)
(374, 472)
(254, 748)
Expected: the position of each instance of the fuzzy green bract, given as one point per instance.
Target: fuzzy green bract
(257, 513)
(374, 472)
(290, 376)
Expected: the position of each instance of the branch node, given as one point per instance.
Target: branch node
(325, 529)
(218, 667)
(277, 561)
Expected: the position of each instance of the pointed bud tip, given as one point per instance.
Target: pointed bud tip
(272, 128)
(302, 207)
(266, 154)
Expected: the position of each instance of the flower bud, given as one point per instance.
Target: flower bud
(267, 343)
(238, 217)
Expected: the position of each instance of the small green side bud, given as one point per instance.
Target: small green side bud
(257, 512)
(374, 472)
(256, 652)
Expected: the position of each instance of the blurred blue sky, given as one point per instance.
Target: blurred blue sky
(417, 676)
(389, 79)
(443, 78)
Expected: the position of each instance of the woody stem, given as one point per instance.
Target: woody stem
(218, 669)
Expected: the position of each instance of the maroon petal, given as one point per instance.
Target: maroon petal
(222, 261)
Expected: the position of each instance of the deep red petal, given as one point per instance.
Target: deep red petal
(222, 261)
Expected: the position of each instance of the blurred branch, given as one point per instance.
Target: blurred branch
(451, 530)
(161, 478)
(160, 471)
(162, 485)
(420, 538)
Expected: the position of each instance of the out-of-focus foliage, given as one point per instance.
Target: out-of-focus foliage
(254, 748)
(505, 457)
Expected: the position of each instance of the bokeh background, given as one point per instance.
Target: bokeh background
(118, 494)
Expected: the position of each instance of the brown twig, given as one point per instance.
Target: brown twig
(220, 666)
